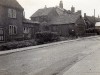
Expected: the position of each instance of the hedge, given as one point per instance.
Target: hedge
(17, 44)
(46, 37)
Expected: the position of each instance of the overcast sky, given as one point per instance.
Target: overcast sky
(87, 6)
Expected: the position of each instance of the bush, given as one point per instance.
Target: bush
(45, 37)
(17, 44)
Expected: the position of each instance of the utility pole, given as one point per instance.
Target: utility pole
(94, 15)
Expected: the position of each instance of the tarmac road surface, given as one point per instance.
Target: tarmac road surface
(50, 60)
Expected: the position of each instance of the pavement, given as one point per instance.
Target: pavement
(90, 65)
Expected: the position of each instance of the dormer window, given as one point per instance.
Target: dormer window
(11, 13)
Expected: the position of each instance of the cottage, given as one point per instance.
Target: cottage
(30, 28)
(90, 23)
(60, 20)
(65, 25)
(45, 15)
(11, 17)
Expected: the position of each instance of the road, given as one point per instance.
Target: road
(51, 60)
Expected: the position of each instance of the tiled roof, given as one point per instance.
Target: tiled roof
(97, 19)
(91, 19)
(11, 3)
(46, 11)
(65, 19)
(42, 12)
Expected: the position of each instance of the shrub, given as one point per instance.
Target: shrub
(45, 37)
(17, 44)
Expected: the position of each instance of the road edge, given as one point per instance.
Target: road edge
(41, 46)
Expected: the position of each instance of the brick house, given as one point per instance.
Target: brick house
(66, 24)
(11, 17)
(45, 15)
(59, 19)
(13, 24)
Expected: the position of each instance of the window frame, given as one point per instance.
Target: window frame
(12, 29)
(2, 35)
(26, 30)
(12, 13)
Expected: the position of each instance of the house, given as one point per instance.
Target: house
(30, 28)
(11, 17)
(58, 19)
(90, 23)
(45, 15)
(66, 24)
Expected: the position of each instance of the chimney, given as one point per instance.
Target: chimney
(45, 6)
(84, 14)
(72, 9)
(94, 15)
(61, 4)
(94, 12)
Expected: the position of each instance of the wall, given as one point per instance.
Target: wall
(80, 27)
(62, 30)
(5, 21)
(34, 28)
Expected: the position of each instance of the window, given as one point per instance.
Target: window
(1, 31)
(1, 38)
(12, 13)
(26, 30)
(1, 34)
(12, 30)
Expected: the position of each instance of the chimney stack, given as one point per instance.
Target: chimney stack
(72, 9)
(94, 15)
(61, 4)
(84, 14)
(94, 12)
(45, 6)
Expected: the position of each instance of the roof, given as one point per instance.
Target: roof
(11, 3)
(46, 11)
(42, 12)
(29, 21)
(65, 19)
(97, 19)
(91, 19)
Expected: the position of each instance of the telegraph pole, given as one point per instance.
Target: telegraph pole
(94, 15)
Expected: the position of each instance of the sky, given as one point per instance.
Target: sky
(87, 6)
